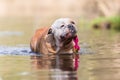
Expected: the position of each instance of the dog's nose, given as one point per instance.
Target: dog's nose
(72, 28)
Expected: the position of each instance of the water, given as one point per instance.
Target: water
(99, 55)
(37, 68)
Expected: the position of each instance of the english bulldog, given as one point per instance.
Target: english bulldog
(59, 38)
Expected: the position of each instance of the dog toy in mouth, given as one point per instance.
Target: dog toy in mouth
(76, 46)
(76, 55)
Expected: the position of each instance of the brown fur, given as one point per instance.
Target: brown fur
(42, 42)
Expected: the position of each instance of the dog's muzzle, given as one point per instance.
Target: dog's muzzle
(70, 33)
(72, 29)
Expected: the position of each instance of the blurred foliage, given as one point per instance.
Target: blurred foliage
(113, 20)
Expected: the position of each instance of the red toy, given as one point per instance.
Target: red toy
(76, 55)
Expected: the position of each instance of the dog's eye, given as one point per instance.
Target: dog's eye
(62, 26)
(72, 22)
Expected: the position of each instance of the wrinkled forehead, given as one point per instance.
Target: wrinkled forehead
(62, 21)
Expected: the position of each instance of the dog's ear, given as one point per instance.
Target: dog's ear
(50, 31)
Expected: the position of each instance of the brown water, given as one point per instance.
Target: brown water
(103, 64)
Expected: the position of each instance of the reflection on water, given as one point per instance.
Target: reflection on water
(60, 67)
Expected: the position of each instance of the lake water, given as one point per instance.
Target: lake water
(99, 58)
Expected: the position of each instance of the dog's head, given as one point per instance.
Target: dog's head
(63, 29)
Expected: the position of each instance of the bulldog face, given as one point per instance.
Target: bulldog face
(63, 29)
